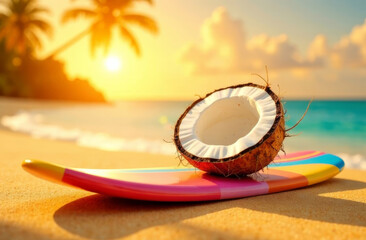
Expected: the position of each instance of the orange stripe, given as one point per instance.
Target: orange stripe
(279, 181)
(299, 157)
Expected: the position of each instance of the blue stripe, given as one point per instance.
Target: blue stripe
(322, 159)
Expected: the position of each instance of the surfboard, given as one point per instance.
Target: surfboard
(295, 170)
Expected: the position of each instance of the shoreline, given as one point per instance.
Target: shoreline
(29, 123)
(32, 208)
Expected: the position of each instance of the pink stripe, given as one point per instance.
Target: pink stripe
(244, 188)
(234, 187)
(292, 155)
(140, 191)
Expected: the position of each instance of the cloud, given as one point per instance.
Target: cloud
(350, 51)
(318, 49)
(277, 52)
(223, 45)
(225, 49)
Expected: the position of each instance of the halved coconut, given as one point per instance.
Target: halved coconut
(232, 131)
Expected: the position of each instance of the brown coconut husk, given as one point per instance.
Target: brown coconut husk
(249, 160)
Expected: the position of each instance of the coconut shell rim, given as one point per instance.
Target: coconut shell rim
(184, 152)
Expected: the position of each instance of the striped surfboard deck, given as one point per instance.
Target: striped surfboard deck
(295, 170)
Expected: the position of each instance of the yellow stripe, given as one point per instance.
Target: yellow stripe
(315, 173)
(44, 170)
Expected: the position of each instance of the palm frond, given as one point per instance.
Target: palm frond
(107, 14)
(125, 33)
(34, 39)
(21, 6)
(106, 41)
(76, 13)
(38, 10)
(114, 4)
(100, 37)
(20, 25)
(143, 21)
(151, 2)
(41, 25)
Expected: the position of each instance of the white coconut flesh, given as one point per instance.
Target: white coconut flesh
(227, 122)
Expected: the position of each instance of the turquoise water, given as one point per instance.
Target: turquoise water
(345, 119)
(337, 127)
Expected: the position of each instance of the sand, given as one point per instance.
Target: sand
(31, 208)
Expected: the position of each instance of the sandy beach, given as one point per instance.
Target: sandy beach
(32, 208)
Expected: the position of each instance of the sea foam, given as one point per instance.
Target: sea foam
(356, 161)
(32, 124)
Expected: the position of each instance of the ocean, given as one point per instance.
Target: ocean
(337, 127)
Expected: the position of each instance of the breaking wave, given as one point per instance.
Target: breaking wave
(32, 124)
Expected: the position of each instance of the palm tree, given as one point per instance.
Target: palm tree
(21, 25)
(107, 15)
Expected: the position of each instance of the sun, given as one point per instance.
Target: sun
(113, 63)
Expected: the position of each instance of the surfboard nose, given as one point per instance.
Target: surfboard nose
(45, 170)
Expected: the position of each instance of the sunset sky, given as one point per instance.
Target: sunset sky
(312, 49)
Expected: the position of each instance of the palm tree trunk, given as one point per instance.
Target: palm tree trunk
(69, 43)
